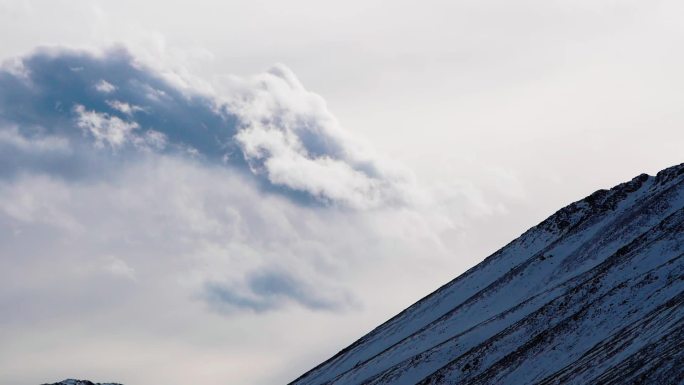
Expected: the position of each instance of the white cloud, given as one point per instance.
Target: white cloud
(105, 87)
(288, 134)
(151, 140)
(15, 66)
(123, 107)
(104, 128)
(176, 226)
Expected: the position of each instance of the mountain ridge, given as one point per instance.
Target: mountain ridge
(587, 237)
(73, 381)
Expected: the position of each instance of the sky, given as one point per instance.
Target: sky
(231, 192)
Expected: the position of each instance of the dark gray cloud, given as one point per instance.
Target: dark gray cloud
(56, 82)
(77, 114)
(54, 91)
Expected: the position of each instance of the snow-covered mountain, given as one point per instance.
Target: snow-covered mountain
(592, 295)
(72, 381)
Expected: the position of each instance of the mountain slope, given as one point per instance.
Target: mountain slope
(592, 295)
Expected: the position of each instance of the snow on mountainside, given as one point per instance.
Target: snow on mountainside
(592, 295)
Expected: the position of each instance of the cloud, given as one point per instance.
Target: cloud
(101, 151)
(236, 222)
(288, 135)
(25, 150)
(124, 107)
(105, 86)
(118, 267)
(53, 99)
(268, 126)
(105, 129)
(12, 138)
(165, 221)
(247, 189)
(270, 289)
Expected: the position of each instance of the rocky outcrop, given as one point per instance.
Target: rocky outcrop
(72, 381)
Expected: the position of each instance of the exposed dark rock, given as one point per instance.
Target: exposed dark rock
(72, 381)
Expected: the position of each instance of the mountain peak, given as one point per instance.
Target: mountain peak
(71, 381)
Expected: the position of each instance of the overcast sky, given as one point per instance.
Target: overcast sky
(231, 192)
